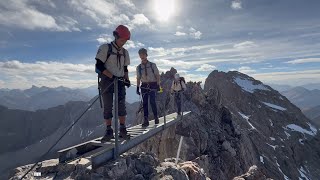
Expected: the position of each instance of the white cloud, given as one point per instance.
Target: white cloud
(50, 73)
(246, 70)
(304, 60)
(179, 27)
(140, 19)
(178, 33)
(181, 65)
(159, 51)
(103, 12)
(127, 3)
(104, 38)
(236, 4)
(294, 78)
(109, 13)
(44, 3)
(131, 44)
(195, 33)
(245, 45)
(206, 67)
(23, 15)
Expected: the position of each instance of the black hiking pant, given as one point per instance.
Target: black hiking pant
(177, 99)
(107, 97)
(146, 94)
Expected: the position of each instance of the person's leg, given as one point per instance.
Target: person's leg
(145, 98)
(122, 110)
(107, 98)
(178, 101)
(153, 104)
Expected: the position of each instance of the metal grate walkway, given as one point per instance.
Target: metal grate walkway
(100, 153)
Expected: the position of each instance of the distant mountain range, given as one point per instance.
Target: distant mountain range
(26, 134)
(282, 87)
(43, 97)
(313, 114)
(302, 97)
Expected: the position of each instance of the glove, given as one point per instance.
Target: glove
(127, 83)
(138, 91)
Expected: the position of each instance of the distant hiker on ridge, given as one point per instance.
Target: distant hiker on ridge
(177, 87)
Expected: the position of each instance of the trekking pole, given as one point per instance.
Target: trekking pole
(116, 149)
(179, 148)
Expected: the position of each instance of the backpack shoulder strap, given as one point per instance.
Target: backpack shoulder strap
(140, 70)
(109, 51)
(124, 53)
(151, 64)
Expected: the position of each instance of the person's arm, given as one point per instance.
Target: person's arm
(138, 80)
(101, 58)
(138, 75)
(172, 87)
(126, 73)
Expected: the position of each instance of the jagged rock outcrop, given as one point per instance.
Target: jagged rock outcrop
(253, 174)
(237, 122)
(139, 166)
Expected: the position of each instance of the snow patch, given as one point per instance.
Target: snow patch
(303, 174)
(274, 106)
(294, 127)
(246, 117)
(285, 177)
(261, 160)
(271, 123)
(301, 141)
(313, 129)
(280, 98)
(274, 147)
(272, 138)
(288, 135)
(248, 85)
(81, 132)
(89, 133)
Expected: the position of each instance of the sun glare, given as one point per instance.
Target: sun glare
(164, 9)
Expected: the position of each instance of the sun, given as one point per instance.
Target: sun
(164, 9)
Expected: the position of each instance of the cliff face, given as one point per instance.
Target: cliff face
(237, 122)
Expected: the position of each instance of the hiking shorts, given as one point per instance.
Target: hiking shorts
(107, 96)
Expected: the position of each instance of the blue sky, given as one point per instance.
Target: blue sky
(53, 43)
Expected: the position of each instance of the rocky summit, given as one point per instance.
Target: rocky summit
(237, 122)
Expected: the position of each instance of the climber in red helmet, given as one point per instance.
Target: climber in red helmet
(112, 61)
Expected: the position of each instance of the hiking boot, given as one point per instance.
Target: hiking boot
(156, 120)
(123, 133)
(179, 113)
(108, 135)
(145, 122)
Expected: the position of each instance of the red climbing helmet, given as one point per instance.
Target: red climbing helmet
(122, 32)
